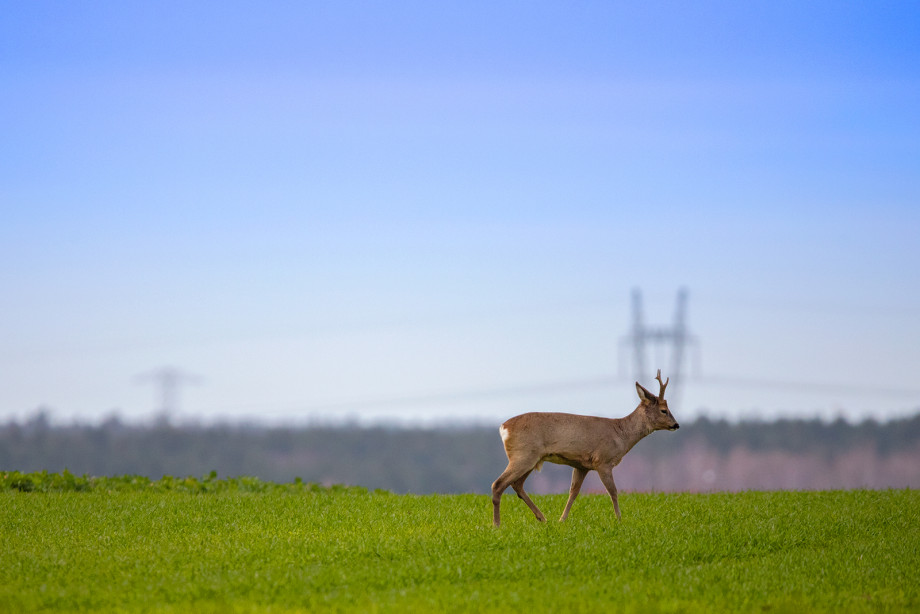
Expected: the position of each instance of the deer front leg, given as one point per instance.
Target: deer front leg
(578, 477)
(606, 474)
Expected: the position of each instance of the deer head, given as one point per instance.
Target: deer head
(656, 408)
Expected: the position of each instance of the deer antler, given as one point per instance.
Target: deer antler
(663, 385)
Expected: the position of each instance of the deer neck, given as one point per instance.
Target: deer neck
(635, 427)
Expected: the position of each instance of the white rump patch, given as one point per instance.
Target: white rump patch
(503, 432)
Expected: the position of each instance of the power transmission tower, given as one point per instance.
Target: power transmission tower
(168, 380)
(675, 337)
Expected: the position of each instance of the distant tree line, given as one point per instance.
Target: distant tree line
(703, 455)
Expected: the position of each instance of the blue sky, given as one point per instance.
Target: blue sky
(401, 210)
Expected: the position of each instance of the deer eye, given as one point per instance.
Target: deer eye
(664, 411)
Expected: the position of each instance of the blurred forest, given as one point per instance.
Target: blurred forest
(705, 455)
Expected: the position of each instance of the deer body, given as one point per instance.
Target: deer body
(584, 443)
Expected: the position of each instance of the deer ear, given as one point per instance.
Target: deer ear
(644, 394)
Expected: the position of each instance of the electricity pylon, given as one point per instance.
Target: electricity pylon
(675, 337)
(168, 380)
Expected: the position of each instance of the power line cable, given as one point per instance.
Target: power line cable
(577, 385)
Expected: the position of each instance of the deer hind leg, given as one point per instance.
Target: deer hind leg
(518, 486)
(607, 479)
(513, 475)
(578, 478)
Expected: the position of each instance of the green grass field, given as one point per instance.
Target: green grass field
(237, 546)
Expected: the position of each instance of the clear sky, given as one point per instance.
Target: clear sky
(433, 211)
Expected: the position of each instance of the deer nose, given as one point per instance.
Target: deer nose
(675, 427)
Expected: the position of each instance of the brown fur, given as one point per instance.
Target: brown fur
(585, 443)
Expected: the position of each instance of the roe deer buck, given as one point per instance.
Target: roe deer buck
(582, 442)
